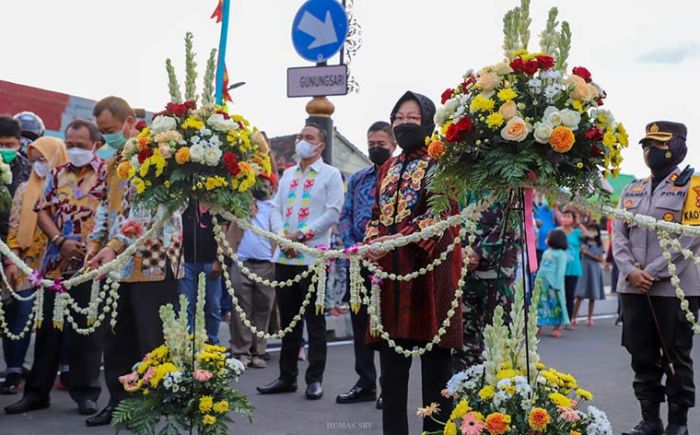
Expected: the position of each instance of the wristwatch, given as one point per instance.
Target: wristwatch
(301, 236)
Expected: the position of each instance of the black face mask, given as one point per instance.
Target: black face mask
(260, 194)
(409, 136)
(658, 160)
(379, 155)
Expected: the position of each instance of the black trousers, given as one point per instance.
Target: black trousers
(436, 370)
(84, 353)
(139, 329)
(570, 290)
(640, 337)
(364, 356)
(289, 300)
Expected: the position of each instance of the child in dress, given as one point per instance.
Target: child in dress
(590, 286)
(551, 308)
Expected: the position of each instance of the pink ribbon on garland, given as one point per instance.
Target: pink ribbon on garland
(530, 239)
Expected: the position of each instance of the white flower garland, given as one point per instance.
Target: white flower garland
(27, 326)
(666, 242)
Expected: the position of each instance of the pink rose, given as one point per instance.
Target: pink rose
(149, 374)
(202, 375)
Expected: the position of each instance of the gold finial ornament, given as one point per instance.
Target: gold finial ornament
(320, 106)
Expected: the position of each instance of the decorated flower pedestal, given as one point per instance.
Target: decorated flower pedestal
(5, 180)
(512, 392)
(184, 384)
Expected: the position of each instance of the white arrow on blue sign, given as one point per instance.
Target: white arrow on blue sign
(319, 29)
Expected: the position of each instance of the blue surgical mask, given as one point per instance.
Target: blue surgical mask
(115, 140)
(105, 152)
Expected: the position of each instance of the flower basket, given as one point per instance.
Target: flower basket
(527, 121)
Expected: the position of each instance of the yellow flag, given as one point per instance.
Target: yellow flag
(691, 209)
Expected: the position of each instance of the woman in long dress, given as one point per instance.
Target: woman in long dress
(590, 286)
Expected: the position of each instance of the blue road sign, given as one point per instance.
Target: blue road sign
(319, 29)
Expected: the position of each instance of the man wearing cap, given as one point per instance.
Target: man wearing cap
(646, 291)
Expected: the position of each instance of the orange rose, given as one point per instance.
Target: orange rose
(515, 130)
(509, 110)
(436, 149)
(497, 423)
(143, 143)
(562, 139)
(123, 170)
(488, 81)
(182, 155)
(582, 91)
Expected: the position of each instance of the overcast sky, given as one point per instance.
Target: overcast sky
(645, 53)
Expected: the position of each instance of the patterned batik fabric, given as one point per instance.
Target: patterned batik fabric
(71, 197)
(357, 209)
(481, 297)
(150, 261)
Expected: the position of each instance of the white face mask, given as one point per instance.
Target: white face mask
(41, 168)
(305, 150)
(80, 157)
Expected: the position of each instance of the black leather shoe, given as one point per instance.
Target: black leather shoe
(27, 404)
(103, 418)
(677, 419)
(314, 391)
(87, 407)
(647, 427)
(357, 394)
(676, 429)
(278, 386)
(11, 384)
(380, 403)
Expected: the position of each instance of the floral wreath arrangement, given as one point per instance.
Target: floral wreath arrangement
(196, 153)
(5, 180)
(185, 382)
(497, 398)
(526, 121)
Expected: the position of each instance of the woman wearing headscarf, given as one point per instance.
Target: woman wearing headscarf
(412, 312)
(28, 242)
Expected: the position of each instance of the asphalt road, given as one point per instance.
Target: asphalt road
(593, 355)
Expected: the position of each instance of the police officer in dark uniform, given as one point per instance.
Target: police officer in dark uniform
(646, 291)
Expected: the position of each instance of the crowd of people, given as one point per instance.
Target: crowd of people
(69, 212)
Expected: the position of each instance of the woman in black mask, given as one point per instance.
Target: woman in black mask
(413, 311)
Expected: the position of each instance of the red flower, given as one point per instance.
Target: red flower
(583, 73)
(531, 67)
(545, 62)
(594, 134)
(599, 101)
(532, 175)
(517, 64)
(596, 151)
(131, 228)
(231, 163)
(455, 132)
(180, 110)
(224, 114)
(446, 95)
(141, 125)
(144, 154)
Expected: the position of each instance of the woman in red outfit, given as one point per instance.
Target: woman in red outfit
(412, 312)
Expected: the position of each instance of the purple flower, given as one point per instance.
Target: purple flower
(58, 286)
(36, 278)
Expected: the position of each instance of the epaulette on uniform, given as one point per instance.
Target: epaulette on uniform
(684, 176)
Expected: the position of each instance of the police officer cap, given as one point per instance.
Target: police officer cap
(664, 131)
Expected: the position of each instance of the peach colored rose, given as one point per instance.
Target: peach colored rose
(515, 130)
(488, 81)
(165, 150)
(202, 375)
(509, 110)
(581, 91)
(593, 90)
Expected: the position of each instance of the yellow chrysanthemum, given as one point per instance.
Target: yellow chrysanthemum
(577, 105)
(450, 429)
(206, 403)
(508, 374)
(221, 407)
(208, 420)
(481, 104)
(609, 139)
(584, 394)
(214, 182)
(487, 392)
(192, 123)
(494, 120)
(507, 94)
(560, 400)
(161, 371)
(138, 184)
(622, 136)
(539, 366)
(460, 410)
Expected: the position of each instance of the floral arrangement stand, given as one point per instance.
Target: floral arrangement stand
(172, 390)
(497, 398)
(5, 180)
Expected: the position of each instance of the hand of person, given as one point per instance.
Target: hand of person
(103, 257)
(640, 280)
(12, 273)
(288, 252)
(474, 260)
(215, 270)
(73, 250)
(375, 254)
